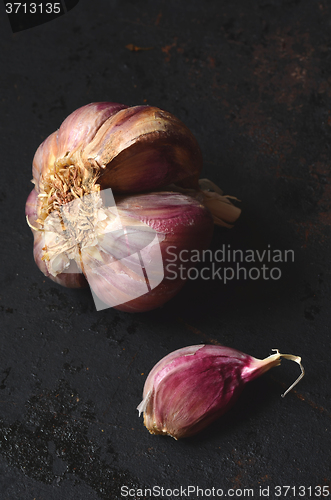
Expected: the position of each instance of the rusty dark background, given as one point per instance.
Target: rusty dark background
(252, 80)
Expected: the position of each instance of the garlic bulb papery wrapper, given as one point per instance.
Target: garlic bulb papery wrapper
(148, 163)
(192, 387)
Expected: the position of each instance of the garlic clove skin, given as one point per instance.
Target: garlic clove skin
(184, 220)
(75, 132)
(81, 126)
(143, 148)
(192, 387)
(43, 161)
(153, 299)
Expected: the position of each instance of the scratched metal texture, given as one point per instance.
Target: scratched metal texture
(252, 80)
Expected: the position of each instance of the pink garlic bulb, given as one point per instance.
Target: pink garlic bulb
(147, 163)
(192, 387)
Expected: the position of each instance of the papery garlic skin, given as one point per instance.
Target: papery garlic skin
(162, 147)
(193, 386)
(133, 151)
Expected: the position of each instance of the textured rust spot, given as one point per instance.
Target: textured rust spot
(167, 49)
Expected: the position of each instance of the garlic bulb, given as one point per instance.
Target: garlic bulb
(114, 187)
(193, 386)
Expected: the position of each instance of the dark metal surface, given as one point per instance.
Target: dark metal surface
(252, 81)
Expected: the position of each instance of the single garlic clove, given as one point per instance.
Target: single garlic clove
(192, 387)
(81, 126)
(144, 148)
(76, 131)
(184, 220)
